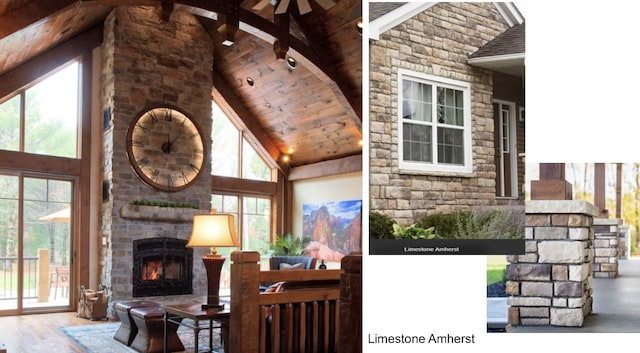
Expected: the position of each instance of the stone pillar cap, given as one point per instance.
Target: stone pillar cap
(607, 221)
(560, 207)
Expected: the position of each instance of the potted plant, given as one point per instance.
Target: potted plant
(287, 245)
(288, 252)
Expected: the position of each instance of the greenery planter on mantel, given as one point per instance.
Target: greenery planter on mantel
(160, 214)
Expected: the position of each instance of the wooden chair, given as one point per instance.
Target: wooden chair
(60, 279)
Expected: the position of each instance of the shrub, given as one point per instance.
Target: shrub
(380, 226)
(444, 224)
(413, 232)
(502, 223)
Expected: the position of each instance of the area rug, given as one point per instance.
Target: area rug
(98, 338)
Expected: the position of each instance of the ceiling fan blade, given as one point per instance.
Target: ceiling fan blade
(282, 7)
(261, 5)
(326, 4)
(303, 6)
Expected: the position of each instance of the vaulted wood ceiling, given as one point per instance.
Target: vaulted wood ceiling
(313, 109)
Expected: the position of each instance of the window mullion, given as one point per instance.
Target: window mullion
(434, 124)
(22, 120)
(240, 154)
(241, 221)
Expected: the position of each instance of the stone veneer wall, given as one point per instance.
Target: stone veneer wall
(551, 284)
(437, 42)
(605, 263)
(147, 61)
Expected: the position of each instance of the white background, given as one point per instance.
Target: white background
(582, 92)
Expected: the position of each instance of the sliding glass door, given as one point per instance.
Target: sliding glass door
(35, 243)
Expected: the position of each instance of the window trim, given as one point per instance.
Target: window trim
(434, 166)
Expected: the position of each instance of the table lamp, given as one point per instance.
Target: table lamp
(213, 230)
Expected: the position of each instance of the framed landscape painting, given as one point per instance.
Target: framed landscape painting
(335, 228)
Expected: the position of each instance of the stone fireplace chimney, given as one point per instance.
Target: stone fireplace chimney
(147, 61)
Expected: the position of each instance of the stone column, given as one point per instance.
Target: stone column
(551, 283)
(605, 263)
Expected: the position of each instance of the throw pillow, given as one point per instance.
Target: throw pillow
(298, 266)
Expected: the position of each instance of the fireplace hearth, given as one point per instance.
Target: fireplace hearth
(162, 266)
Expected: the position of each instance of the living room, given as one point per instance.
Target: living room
(278, 119)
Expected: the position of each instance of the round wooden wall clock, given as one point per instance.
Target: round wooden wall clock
(165, 148)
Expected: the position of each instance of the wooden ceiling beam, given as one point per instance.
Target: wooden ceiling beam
(32, 12)
(228, 20)
(281, 45)
(166, 7)
(341, 86)
(53, 58)
(317, 63)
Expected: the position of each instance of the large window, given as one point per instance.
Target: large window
(253, 215)
(43, 118)
(435, 123)
(232, 154)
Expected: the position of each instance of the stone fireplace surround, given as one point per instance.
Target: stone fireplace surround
(147, 61)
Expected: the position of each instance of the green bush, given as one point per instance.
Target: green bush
(413, 232)
(444, 224)
(380, 226)
(505, 223)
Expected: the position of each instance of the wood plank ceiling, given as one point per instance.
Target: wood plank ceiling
(313, 109)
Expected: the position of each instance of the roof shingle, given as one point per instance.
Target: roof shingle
(511, 41)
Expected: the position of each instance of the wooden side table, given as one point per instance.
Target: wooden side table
(200, 320)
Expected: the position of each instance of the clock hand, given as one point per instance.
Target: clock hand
(181, 132)
(174, 140)
(166, 147)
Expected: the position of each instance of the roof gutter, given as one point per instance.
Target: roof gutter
(496, 59)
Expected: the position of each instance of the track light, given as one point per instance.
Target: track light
(291, 62)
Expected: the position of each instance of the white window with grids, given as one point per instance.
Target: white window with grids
(434, 123)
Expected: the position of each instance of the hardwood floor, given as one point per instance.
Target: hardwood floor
(40, 333)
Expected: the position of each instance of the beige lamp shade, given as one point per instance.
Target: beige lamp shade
(213, 230)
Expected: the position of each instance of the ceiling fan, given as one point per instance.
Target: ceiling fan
(282, 5)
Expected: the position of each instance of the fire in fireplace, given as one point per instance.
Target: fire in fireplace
(162, 266)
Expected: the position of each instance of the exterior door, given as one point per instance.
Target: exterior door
(35, 240)
(505, 149)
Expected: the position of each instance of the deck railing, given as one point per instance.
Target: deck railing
(9, 277)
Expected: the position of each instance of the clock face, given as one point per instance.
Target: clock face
(165, 148)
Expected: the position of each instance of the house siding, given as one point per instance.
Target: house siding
(435, 42)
